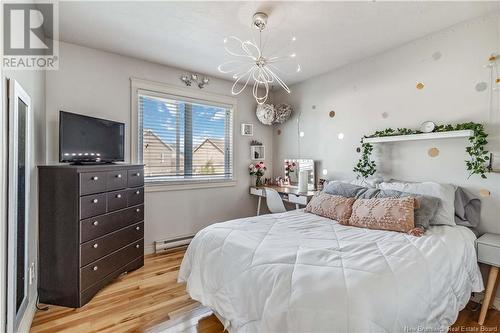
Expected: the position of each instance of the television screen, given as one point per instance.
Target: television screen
(88, 139)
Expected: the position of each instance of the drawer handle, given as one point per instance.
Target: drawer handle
(137, 192)
(95, 178)
(137, 246)
(96, 223)
(137, 210)
(95, 268)
(137, 228)
(118, 196)
(119, 176)
(95, 200)
(96, 246)
(138, 174)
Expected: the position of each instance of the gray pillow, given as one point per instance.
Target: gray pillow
(344, 189)
(467, 208)
(423, 214)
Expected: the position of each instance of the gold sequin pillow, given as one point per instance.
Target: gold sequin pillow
(334, 207)
(395, 214)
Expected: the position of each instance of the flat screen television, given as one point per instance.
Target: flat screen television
(84, 139)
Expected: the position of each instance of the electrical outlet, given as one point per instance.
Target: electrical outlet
(32, 273)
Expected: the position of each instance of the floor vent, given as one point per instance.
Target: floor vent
(168, 244)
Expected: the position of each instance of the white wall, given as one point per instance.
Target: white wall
(361, 92)
(97, 83)
(33, 83)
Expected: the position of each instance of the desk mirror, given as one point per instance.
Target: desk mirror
(292, 171)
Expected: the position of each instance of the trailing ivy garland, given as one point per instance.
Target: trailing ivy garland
(478, 155)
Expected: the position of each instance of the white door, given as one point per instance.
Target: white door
(19, 115)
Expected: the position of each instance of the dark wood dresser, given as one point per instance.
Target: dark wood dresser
(91, 229)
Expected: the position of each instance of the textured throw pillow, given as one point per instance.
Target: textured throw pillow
(424, 212)
(445, 214)
(425, 208)
(335, 207)
(395, 214)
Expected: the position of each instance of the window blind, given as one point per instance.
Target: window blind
(184, 138)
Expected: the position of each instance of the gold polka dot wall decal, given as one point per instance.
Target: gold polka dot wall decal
(278, 131)
(314, 107)
(481, 86)
(385, 115)
(484, 193)
(433, 152)
(331, 114)
(436, 55)
(420, 86)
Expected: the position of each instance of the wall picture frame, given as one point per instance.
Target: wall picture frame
(257, 152)
(246, 129)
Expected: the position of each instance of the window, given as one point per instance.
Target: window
(181, 138)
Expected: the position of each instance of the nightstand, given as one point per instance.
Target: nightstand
(488, 252)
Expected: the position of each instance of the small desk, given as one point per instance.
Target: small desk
(288, 194)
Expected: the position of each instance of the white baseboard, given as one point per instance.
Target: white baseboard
(478, 298)
(29, 314)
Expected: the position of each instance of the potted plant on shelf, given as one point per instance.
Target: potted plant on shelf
(258, 170)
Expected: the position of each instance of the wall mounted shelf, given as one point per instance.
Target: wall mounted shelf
(423, 136)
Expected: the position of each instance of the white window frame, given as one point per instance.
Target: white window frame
(138, 85)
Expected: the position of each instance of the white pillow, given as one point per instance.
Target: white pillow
(445, 213)
(371, 182)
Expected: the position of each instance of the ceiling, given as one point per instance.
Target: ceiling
(190, 35)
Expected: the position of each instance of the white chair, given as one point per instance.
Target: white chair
(274, 201)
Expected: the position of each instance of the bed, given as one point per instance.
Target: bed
(299, 272)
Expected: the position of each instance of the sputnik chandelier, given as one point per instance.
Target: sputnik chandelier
(252, 65)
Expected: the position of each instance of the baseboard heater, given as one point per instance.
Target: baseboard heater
(168, 244)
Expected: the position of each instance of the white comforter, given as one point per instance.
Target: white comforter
(298, 272)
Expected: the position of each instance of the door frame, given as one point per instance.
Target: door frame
(16, 92)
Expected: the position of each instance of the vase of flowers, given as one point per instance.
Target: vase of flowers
(258, 171)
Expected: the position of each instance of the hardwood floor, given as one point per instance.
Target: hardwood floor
(150, 300)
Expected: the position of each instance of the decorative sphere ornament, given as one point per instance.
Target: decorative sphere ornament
(265, 113)
(282, 113)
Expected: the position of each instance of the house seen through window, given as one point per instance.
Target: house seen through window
(184, 139)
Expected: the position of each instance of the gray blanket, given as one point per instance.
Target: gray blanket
(467, 208)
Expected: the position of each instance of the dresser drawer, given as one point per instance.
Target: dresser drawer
(135, 178)
(98, 270)
(101, 225)
(257, 191)
(99, 247)
(488, 254)
(117, 200)
(298, 199)
(94, 289)
(92, 205)
(135, 196)
(92, 182)
(116, 180)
